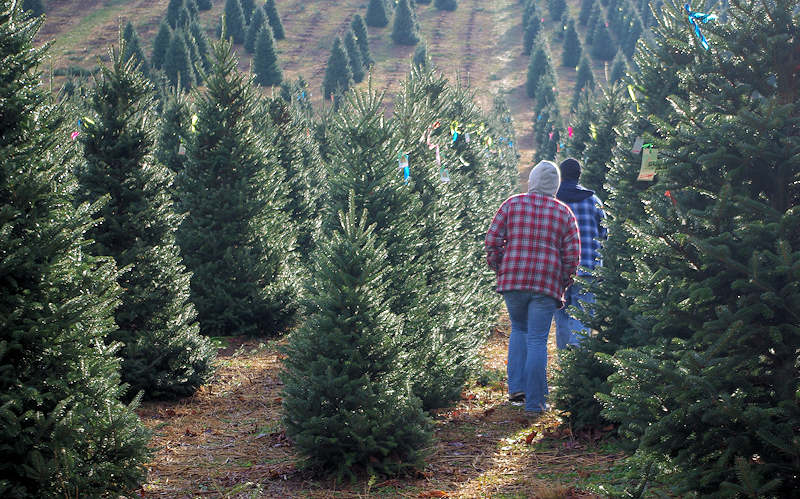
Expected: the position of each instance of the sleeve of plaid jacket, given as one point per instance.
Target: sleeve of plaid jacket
(496, 239)
(570, 252)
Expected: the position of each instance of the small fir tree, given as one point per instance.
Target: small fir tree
(531, 32)
(265, 62)
(572, 47)
(274, 20)
(173, 13)
(446, 4)
(345, 404)
(584, 79)
(178, 62)
(376, 14)
(556, 8)
(603, 47)
(360, 30)
(258, 21)
(163, 353)
(337, 73)
(247, 9)
(133, 49)
(595, 19)
(539, 66)
(619, 69)
(62, 426)
(236, 237)
(173, 131)
(585, 12)
(421, 59)
(234, 21)
(405, 30)
(201, 42)
(161, 45)
(354, 57)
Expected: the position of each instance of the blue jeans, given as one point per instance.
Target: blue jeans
(531, 315)
(569, 330)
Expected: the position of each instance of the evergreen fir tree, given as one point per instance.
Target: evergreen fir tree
(161, 45)
(603, 47)
(247, 9)
(257, 22)
(345, 404)
(572, 47)
(173, 131)
(538, 66)
(274, 20)
(531, 32)
(376, 14)
(610, 112)
(584, 79)
(195, 62)
(173, 12)
(62, 426)
(201, 42)
(163, 353)
(234, 21)
(133, 48)
(556, 8)
(405, 30)
(619, 68)
(595, 19)
(446, 4)
(585, 12)
(204, 5)
(191, 6)
(236, 237)
(178, 63)
(631, 37)
(421, 59)
(360, 30)
(337, 73)
(33, 7)
(354, 57)
(265, 62)
(184, 18)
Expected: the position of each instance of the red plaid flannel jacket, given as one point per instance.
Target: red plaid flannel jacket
(533, 245)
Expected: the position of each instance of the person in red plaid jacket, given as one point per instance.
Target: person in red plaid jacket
(534, 247)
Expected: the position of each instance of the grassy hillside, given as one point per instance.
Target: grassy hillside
(479, 44)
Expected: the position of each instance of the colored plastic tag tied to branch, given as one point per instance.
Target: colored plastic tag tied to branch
(444, 175)
(194, 123)
(672, 198)
(569, 131)
(403, 164)
(637, 145)
(74, 135)
(648, 171)
(695, 18)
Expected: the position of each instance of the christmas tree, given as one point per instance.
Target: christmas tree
(585, 12)
(603, 47)
(161, 45)
(133, 48)
(572, 47)
(556, 8)
(265, 62)
(538, 67)
(531, 32)
(360, 31)
(178, 62)
(201, 42)
(173, 12)
(376, 14)
(274, 20)
(421, 58)
(405, 30)
(162, 352)
(258, 21)
(346, 407)
(619, 69)
(234, 21)
(584, 79)
(247, 9)
(236, 238)
(173, 131)
(354, 57)
(337, 72)
(62, 427)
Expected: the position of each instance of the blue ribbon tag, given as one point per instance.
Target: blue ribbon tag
(703, 18)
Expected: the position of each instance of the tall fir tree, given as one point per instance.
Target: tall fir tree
(265, 61)
(354, 57)
(178, 62)
(173, 131)
(446, 4)
(556, 9)
(376, 14)
(201, 42)
(360, 30)
(162, 353)
(161, 45)
(337, 72)
(236, 238)
(619, 69)
(531, 32)
(538, 66)
(405, 30)
(274, 20)
(234, 21)
(258, 21)
(585, 12)
(62, 426)
(603, 46)
(345, 404)
(173, 13)
(133, 48)
(571, 55)
(247, 9)
(584, 79)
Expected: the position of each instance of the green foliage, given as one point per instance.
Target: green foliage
(556, 9)
(338, 76)
(274, 20)
(619, 69)
(603, 47)
(376, 14)
(360, 31)
(236, 238)
(62, 426)
(265, 62)
(173, 131)
(161, 45)
(257, 22)
(162, 352)
(178, 62)
(531, 32)
(585, 12)
(572, 47)
(405, 30)
(584, 79)
(173, 13)
(354, 57)
(204, 5)
(234, 21)
(346, 406)
(247, 9)
(200, 40)
(446, 4)
(538, 67)
(33, 7)
(133, 49)
(421, 58)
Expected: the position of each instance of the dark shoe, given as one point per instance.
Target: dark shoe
(516, 397)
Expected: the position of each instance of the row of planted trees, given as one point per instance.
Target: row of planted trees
(167, 219)
(697, 352)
